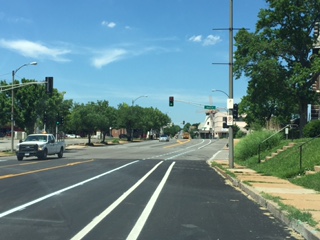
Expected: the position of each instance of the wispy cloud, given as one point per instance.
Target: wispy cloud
(35, 50)
(108, 24)
(109, 56)
(211, 40)
(196, 38)
(105, 57)
(208, 41)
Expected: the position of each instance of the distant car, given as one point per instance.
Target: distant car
(70, 135)
(164, 138)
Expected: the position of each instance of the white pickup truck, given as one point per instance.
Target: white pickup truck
(40, 145)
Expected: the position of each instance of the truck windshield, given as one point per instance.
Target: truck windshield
(37, 138)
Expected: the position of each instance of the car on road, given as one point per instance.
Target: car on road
(164, 138)
(40, 145)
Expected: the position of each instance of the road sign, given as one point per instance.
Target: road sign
(230, 120)
(209, 107)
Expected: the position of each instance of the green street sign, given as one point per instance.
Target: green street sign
(210, 107)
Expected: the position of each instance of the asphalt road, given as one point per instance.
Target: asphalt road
(148, 190)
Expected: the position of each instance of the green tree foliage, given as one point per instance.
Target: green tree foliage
(276, 59)
(172, 130)
(5, 104)
(186, 127)
(312, 129)
(32, 104)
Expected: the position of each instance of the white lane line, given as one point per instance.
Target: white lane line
(21, 207)
(214, 156)
(136, 230)
(177, 151)
(109, 209)
(205, 145)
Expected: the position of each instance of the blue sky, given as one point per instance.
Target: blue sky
(119, 50)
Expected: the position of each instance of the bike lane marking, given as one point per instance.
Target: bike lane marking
(83, 232)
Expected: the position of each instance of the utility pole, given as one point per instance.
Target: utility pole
(231, 147)
(230, 112)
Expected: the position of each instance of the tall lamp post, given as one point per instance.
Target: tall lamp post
(133, 101)
(215, 90)
(12, 102)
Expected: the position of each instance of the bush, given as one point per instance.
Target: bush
(312, 129)
(240, 134)
(249, 145)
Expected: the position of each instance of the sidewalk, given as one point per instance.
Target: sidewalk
(256, 186)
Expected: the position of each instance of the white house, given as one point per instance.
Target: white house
(212, 127)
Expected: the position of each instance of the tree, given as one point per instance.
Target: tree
(106, 117)
(85, 119)
(5, 104)
(276, 59)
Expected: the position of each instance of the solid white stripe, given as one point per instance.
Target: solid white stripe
(19, 208)
(102, 215)
(136, 230)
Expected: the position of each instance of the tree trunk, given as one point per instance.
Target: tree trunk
(303, 109)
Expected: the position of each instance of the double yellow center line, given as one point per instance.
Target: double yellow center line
(178, 143)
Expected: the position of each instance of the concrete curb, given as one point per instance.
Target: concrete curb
(305, 230)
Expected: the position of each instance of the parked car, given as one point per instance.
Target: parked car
(164, 138)
(70, 135)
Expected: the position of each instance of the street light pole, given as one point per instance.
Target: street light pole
(133, 101)
(216, 90)
(231, 148)
(12, 101)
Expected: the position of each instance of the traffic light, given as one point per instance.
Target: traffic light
(316, 29)
(58, 122)
(61, 120)
(49, 83)
(235, 111)
(314, 112)
(171, 101)
(45, 118)
(183, 122)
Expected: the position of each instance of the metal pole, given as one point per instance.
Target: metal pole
(12, 112)
(12, 102)
(231, 153)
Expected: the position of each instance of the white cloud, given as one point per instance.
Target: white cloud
(211, 40)
(208, 41)
(108, 24)
(196, 38)
(108, 57)
(35, 50)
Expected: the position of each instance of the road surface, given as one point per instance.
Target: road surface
(148, 190)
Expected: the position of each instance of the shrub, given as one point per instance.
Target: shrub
(249, 145)
(312, 129)
(240, 134)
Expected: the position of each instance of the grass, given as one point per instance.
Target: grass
(286, 165)
(293, 213)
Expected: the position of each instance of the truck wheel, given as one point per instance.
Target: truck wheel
(19, 158)
(60, 154)
(44, 155)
